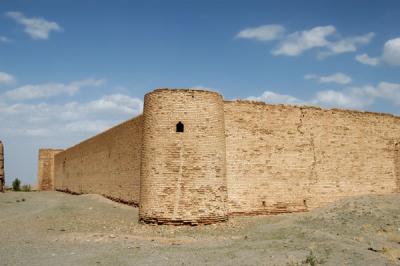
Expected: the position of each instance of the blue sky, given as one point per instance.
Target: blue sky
(71, 69)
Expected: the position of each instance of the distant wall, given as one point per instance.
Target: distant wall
(106, 164)
(46, 168)
(287, 158)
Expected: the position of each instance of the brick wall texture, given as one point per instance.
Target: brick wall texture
(286, 158)
(107, 164)
(234, 157)
(183, 174)
(2, 175)
(46, 168)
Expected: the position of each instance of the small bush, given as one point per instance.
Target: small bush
(312, 260)
(16, 184)
(26, 188)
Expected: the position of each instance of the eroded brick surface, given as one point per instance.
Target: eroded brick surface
(183, 173)
(286, 158)
(106, 164)
(46, 168)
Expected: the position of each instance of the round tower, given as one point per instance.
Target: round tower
(2, 177)
(183, 178)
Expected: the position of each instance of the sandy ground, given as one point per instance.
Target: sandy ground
(52, 228)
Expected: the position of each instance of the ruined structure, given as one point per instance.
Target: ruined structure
(192, 158)
(46, 168)
(2, 175)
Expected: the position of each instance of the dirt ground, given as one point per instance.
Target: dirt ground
(53, 228)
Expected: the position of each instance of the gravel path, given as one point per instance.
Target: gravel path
(52, 228)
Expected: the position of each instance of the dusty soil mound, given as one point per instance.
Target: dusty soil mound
(52, 228)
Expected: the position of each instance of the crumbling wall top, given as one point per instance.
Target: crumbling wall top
(310, 107)
(182, 90)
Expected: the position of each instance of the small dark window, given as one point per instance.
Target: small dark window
(179, 127)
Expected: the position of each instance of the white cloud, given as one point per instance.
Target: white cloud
(47, 90)
(346, 99)
(324, 38)
(360, 97)
(114, 104)
(352, 97)
(36, 28)
(262, 33)
(339, 78)
(298, 42)
(391, 52)
(366, 60)
(45, 119)
(6, 78)
(4, 39)
(389, 91)
(272, 97)
(346, 45)
(390, 55)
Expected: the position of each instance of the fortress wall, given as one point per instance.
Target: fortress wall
(46, 168)
(287, 158)
(183, 173)
(106, 164)
(354, 151)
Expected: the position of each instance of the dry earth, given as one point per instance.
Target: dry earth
(52, 228)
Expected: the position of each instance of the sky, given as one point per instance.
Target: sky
(70, 69)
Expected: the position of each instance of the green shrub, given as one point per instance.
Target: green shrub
(26, 188)
(16, 184)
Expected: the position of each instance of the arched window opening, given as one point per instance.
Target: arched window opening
(179, 127)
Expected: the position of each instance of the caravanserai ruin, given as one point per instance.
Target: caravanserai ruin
(193, 158)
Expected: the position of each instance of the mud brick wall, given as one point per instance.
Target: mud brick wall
(287, 158)
(183, 177)
(233, 157)
(106, 164)
(46, 168)
(2, 175)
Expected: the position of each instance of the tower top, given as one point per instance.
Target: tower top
(183, 90)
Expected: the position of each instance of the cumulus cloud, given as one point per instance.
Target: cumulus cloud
(352, 97)
(390, 55)
(36, 28)
(366, 60)
(391, 52)
(45, 119)
(273, 97)
(346, 45)
(325, 38)
(360, 97)
(262, 33)
(298, 42)
(28, 92)
(6, 79)
(339, 78)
